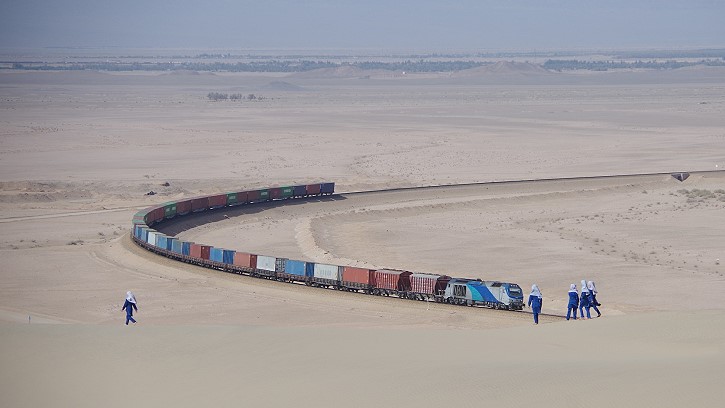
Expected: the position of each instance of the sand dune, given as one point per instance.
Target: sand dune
(505, 68)
(661, 359)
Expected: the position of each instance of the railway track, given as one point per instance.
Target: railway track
(522, 181)
(386, 190)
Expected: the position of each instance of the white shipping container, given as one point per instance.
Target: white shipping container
(151, 239)
(324, 271)
(266, 262)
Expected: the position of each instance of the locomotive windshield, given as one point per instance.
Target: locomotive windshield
(515, 291)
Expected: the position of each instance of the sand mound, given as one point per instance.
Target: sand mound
(346, 71)
(505, 68)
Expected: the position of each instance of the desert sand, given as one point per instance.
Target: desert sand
(80, 150)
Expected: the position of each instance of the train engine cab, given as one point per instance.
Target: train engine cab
(509, 294)
(473, 292)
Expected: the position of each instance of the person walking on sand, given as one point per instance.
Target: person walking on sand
(128, 306)
(535, 301)
(584, 301)
(573, 301)
(593, 297)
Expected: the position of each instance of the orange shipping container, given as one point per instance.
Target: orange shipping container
(199, 251)
(358, 275)
(246, 260)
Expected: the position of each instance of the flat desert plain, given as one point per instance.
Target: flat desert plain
(79, 150)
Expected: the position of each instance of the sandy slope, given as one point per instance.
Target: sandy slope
(652, 360)
(79, 150)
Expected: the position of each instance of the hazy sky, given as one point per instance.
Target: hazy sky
(409, 25)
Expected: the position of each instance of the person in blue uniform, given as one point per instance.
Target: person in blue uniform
(535, 301)
(573, 301)
(129, 306)
(593, 297)
(584, 301)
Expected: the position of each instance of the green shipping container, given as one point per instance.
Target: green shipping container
(231, 198)
(169, 209)
(287, 192)
(263, 195)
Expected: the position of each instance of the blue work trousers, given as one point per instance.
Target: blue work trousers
(581, 312)
(570, 310)
(129, 318)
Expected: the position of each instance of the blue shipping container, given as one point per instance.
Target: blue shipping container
(216, 254)
(170, 243)
(293, 267)
(176, 246)
(161, 241)
(142, 232)
(299, 191)
(327, 188)
(228, 257)
(186, 248)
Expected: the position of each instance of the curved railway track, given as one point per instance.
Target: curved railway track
(521, 181)
(254, 272)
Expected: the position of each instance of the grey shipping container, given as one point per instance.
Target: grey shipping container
(324, 271)
(266, 263)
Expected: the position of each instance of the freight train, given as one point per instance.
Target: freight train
(382, 282)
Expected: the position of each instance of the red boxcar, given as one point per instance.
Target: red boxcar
(242, 197)
(218, 201)
(247, 260)
(357, 277)
(275, 193)
(427, 283)
(313, 189)
(152, 215)
(183, 207)
(252, 196)
(392, 280)
(199, 204)
(199, 251)
(159, 214)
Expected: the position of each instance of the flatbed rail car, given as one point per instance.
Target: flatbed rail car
(382, 282)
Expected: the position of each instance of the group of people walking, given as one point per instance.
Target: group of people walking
(587, 300)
